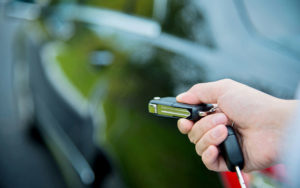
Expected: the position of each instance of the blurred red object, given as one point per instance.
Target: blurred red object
(230, 179)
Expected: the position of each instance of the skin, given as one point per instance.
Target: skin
(258, 118)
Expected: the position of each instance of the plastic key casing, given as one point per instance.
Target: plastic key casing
(169, 107)
(231, 151)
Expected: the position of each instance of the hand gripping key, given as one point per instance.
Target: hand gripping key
(230, 148)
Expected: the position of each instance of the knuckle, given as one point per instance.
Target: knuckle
(201, 145)
(205, 140)
(204, 124)
(210, 136)
(190, 136)
(198, 150)
(201, 130)
(210, 121)
(225, 85)
(196, 86)
(226, 81)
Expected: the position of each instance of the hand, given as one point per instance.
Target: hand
(259, 119)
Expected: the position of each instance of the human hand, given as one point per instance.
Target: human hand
(259, 119)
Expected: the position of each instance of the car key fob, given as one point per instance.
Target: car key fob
(230, 148)
(169, 107)
(231, 151)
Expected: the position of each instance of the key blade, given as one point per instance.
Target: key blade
(240, 177)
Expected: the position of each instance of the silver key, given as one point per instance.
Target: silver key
(240, 177)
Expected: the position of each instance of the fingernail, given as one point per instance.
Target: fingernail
(219, 119)
(217, 132)
(180, 95)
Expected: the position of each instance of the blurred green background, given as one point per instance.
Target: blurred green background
(149, 151)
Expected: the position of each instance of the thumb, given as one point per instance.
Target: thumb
(205, 92)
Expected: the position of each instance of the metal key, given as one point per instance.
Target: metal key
(230, 148)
